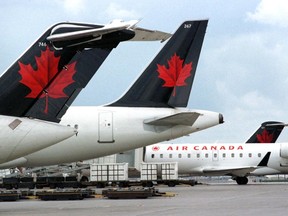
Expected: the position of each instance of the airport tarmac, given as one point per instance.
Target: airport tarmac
(214, 199)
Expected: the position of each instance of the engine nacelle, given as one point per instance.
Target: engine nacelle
(284, 150)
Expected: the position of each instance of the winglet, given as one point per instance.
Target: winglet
(265, 160)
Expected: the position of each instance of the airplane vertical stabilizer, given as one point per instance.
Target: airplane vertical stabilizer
(268, 132)
(168, 79)
(46, 79)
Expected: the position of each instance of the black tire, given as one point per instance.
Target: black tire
(242, 180)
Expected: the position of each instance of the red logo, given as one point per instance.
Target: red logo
(155, 148)
(176, 73)
(265, 137)
(47, 68)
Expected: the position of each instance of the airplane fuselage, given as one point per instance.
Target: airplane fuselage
(107, 130)
(20, 136)
(196, 159)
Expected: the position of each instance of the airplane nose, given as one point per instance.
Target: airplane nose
(221, 118)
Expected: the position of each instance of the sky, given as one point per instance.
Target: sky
(242, 71)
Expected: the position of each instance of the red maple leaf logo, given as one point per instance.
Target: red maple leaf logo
(265, 137)
(38, 80)
(176, 73)
(155, 148)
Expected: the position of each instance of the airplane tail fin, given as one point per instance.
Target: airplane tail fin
(268, 132)
(46, 79)
(168, 79)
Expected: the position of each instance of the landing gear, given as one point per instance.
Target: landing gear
(241, 180)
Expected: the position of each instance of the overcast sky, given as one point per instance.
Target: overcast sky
(242, 71)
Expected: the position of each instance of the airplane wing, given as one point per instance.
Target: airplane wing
(116, 25)
(231, 171)
(184, 118)
(238, 171)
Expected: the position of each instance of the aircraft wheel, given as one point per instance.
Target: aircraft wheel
(242, 180)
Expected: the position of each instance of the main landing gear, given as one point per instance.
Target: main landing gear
(241, 180)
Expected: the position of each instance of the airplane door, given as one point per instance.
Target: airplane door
(105, 131)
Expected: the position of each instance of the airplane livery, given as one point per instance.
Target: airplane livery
(235, 160)
(38, 88)
(154, 109)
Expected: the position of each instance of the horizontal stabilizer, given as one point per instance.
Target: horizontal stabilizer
(277, 124)
(142, 34)
(95, 32)
(184, 118)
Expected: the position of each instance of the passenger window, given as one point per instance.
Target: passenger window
(224, 155)
(259, 154)
(241, 155)
(179, 155)
(206, 155)
(198, 155)
(215, 155)
(170, 155)
(232, 155)
(161, 155)
(188, 155)
(250, 155)
(152, 156)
